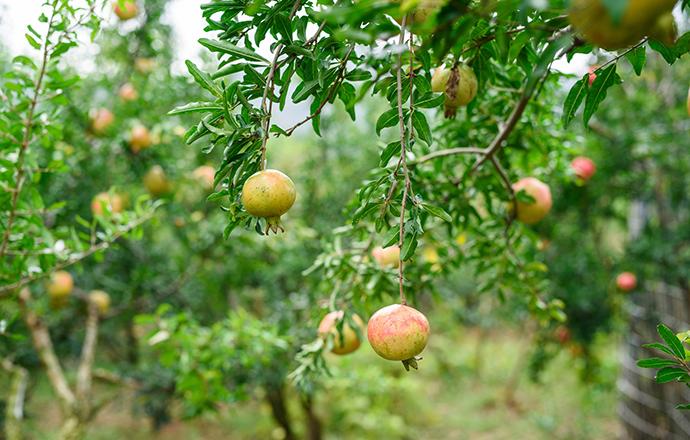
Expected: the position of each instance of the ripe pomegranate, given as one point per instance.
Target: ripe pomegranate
(387, 257)
(398, 333)
(139, 138)
(128, 10)
(101, 300)
(156, 182)
(591, 19)
(269, 194)
(626, 281)
(60, 285)
(205, 174)
(101, 120)
(346, 341)
(531, 213)
(459, 85)
(127, 92)
(583, 167)
(592, 74)
(113, 202)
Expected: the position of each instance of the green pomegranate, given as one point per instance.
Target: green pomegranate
(269, 194)
(459, 85)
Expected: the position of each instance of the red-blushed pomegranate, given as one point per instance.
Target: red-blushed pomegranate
(101, 300)
(156, 182)
(583, 167)
(626, 281)
(459, 84)
(101, 120)
(387, 257)
(127, 92)
(127, 11)
(139, 138)
(398, 333)
(205, 174)
(592, 74)
(113, 202)
(60, 285)
(346, 341)
(269, 194)
(532, 212)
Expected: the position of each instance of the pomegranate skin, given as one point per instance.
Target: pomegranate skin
(398, 332)
(583, 167)
(61, 284)
(531, 213)
(387, 257)
(344, 343)
(269, 194)
(626, 281)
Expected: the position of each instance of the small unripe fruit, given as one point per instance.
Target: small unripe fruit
(113, 202)
(346, 341)
(398, 333)
(459, 85)
(60, 285)
(205, 174)
(156, 182)
(101, 300)
(626, 281)
(387, 257)
(421, 10)
(127, 92)
(127, 11)
(139, 138)
(269, 194)
(531, 213)
(101, 119)
(583, 167)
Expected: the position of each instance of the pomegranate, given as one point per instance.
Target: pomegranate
(205, 174)
(145, 65)
(459, 85)
(101, 300)
(626, 281)
(101, 120)
(127, 11)
(422, 11)
(583, 167)
(387, 257)
(269, 194)
(60, 285)
(113, 202)
(346, 341)
(139, 138)
(398, 333)
(156, 182)
(592, 74)
(562, 334)
(531, 213)
(127, 92)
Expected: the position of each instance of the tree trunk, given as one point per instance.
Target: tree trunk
(312, 420)
(73, 429)
(276, 398)
(14, 413)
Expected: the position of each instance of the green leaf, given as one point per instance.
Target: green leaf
(668, 53)
(421, 125)
(387, 119)
(574, 99)
(597, 92)
(409, 246)
(660, 347)
(637, 58)
(672, 340)
(656, 363)
(203, 79)
(683, 406)
(195, 107)
(545, 59)
(32, 41)
(437, 212)
(670, 374)
(430, 100)
(231, 49)
(391, 150)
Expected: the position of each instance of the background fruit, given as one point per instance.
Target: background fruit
(398, 332)
(626, 281)
(531, 213)
(127, 11)
(127, 92)
(101, 119)
(346, 341)
(156, 182)
(113, 201)
(60, 285)
(387, 257)
(583, 167)
(139, 138)
(101, 299)
(205, 174)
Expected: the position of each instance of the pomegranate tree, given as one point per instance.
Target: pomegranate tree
(127, 11)
(398, 333)
(345, 341)
(583, 167)
(458, 83)
(269, 194)
(387, 257)
(626, 281)
(532, 212)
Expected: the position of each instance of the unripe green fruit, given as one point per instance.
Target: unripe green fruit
(459, 84)
(269, 194)
(345, 342)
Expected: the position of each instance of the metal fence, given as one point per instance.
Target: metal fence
(647, 409)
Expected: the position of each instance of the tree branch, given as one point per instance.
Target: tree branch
(88, 350)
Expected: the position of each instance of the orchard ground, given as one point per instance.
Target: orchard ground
(446, 399)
